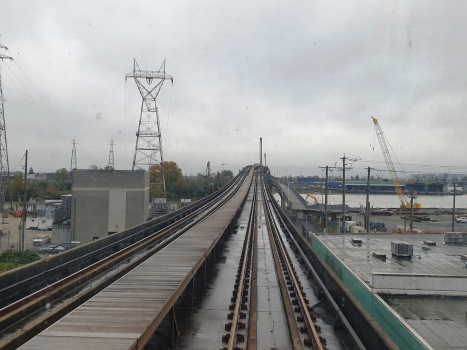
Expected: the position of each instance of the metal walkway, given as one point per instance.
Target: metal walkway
(126, 314)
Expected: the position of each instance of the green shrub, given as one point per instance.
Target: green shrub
(13, 259)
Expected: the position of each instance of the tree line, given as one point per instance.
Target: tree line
(178, 186)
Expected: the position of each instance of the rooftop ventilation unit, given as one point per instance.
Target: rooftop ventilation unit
(455, 237)
(356, 241)
(402, 249)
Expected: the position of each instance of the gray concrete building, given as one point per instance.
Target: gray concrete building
(105, 202)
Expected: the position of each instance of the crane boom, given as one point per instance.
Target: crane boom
(390, 165)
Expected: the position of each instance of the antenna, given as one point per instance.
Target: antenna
(74, 162)
(111, 155)
(4, 164)
(148, 150)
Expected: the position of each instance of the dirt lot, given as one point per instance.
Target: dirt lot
(440, 223)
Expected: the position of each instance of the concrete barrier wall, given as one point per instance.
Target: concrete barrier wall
(435, 283)
(22, 273)
(398, 330)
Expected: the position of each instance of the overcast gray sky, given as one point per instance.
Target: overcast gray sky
(304, 75)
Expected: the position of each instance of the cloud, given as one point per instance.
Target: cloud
(305, 76)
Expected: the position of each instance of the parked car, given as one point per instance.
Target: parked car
(52, 249)
(41, 240)
(461, 219)
(379, 226)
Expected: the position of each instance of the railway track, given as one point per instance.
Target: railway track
(293, 322)
(25, 318)
(242, 326)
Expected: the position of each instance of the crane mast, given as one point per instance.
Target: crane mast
(390, 164)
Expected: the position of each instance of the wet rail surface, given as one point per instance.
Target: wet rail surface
(256, 293)
(126, 313)
(264, 321)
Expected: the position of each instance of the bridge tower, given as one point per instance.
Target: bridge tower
(4, 164)
(148, 150)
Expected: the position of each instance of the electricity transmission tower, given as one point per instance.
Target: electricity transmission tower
(74, 162)
(111, 155)
(148, 150)
(4, 165)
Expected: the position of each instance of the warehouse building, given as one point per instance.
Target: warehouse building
(106, 202)
(414, 285)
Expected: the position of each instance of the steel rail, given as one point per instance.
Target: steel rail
(245, 262)
(340, 316)
(23, 308)
(152, 327)
(253, 319)
(312, 332)
(295, 338)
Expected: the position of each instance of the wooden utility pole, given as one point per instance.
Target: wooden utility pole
(343, 194)
(454, 210)
(367, 211)
(23, 236)
(411, 210)
(326, 202)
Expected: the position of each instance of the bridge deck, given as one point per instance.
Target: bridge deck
(117, 317)
(292, 196)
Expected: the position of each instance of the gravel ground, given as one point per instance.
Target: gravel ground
(440, 223)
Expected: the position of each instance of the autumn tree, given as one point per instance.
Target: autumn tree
(173, 180)
(61, 175)
(51, 189)
(17, 184)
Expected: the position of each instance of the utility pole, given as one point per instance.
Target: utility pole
(148, 150)
(367, 211)
(326, 188)
(326, 201)
(25, 208)
(223, 166)
(111, 155)
(4, 164)
(454, 209)
(411, 210)
(74, 162)
(343, 194)
(261, 150)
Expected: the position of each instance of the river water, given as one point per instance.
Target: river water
(391, 200)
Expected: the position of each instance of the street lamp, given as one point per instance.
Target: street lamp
(61, 244)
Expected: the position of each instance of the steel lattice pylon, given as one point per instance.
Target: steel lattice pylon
(4, 165)
(74, 161)
(148, 150)
(111, 155)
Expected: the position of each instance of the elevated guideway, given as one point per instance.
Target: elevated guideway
(291, 199)
(126, 314)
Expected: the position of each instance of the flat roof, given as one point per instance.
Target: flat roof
(440, 320)
(441, 259)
